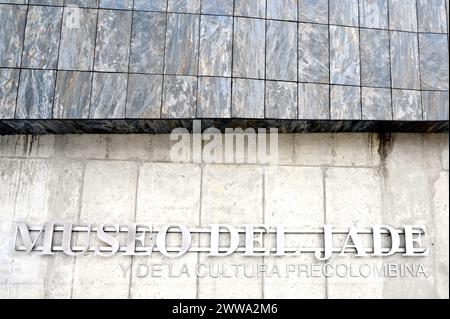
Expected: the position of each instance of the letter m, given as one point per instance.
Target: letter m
(23, 231)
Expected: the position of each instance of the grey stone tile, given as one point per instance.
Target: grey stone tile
(282, 9)
(42, 37)
(147, 42)
(14, 1)
(435, 105)
(375, 63)
(315, 11)
(36, 93)
(344, 12)
(281, 100)
(184, 6)
(432, 16)
(9, 81)
(250, 8)
(222, 7)
(249, 48)
(182, 44)
(116, 4)
(77, 46)
(216, 45)
(113, 41)
(344, 55)
(12, 25)
(402, 15)
(248, 98)
(345, 103)
(82, 3)
(313, 53)
(406, 105)
(144, 96)
(434, 61)
(281, 51)
(150, 5)
(447, 6)
(47, 2)
(179, 97)
(108, 96)
(404, 60)
(373, 14)
(376, 104)
(214, 98)
(72, 95)
(313, 101)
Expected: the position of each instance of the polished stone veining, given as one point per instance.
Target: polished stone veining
(116, 4)
(314, 11)
(108, 96)
(344, 58)
(72, 95)
(9, 81)
(77, 46)
(281, 100)
(376, 104)
(434, 61)
(144, 96)
(373, 14)
(216, 46)
(47, 2)
(282, 9)
(42, 37)
(345, 102)
(313, 101)
(248, 98)
(147, 53)
(83, 3)
(375, 59)
(214, 97)
(404, 60)
(431, 15)
(435, 105)
(153, 5)
(344, 12)
(249, 48)
(182, 44)
(126, 64)
(250, 8)
(184, 6)
(220, 7)
(403, 15)
(281, 51)
(12, 24)
(14, 1)
(179, 97)
(313, 53)
(113, 41)
(36, 94)
(406, 105)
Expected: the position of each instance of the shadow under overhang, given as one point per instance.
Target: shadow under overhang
(165, 126)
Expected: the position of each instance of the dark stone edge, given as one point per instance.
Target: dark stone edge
(164, 126)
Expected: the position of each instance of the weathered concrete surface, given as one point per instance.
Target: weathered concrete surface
(344, 179)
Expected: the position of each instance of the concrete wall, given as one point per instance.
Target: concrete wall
(340, 179)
